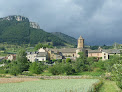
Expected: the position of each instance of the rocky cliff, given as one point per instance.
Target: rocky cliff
(34, 25)
(15, 17)
(21, 18)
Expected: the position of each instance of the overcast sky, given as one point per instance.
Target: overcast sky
(97, 21)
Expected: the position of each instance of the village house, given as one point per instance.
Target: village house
(11, 57)
(102, 53)
(63, 53)
(40, 55)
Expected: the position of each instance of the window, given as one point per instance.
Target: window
(104, 57)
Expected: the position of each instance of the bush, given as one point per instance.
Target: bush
(68, 69)
(57, 69)
(68, 60)
(36, 68)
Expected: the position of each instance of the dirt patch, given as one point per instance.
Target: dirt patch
(14, 80)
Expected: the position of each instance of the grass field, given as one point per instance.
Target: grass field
(109, 86)
(63, 85)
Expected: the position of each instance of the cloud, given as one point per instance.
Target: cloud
(98, 21)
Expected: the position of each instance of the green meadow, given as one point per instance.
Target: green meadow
(59, 85)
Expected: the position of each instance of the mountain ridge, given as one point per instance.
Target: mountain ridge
(65, 37)
(17, 29)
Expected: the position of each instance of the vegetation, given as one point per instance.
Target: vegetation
(20, 65)
(108, 69)
(65, 85)
(103, 47)
(65, 37)
(39, 45)
(20, 32)
(36, 68)
(109, 86)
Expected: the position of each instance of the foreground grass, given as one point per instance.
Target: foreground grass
(109, 86)
(63, 85)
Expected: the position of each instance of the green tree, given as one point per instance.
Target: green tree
(81, 63)
(14, 68)
(21, 64)
(68, 60)
(68, 69)
(36, 68)
(38, 46)
(90, 61)
(57, 69)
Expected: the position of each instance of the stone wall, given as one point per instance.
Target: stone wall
(53, 77)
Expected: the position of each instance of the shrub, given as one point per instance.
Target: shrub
(57, 69)
(68, 69)
(36, 68)
(68, 60)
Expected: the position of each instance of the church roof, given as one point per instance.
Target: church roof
(41, 54)
(94, 51)
(65, 50)
(112, 51)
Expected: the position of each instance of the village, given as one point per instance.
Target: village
(44, 54)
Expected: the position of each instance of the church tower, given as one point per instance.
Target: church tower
(80, 42)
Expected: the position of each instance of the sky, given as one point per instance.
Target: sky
(99, 22)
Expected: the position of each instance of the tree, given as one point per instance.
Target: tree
(68, 60)
(68, 69)
(14, 68)
(36, 68)
(57, 69)
(21, 64)
(22, 60)
(81, 63)
(90, 63)
(38, 46)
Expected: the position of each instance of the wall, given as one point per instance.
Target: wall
(94, 54)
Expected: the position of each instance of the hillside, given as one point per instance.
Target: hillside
(65, 37)
(18, 29)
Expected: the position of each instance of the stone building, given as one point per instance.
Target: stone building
(63, 53)
(40, 55)
(102, 53)
(69, 52)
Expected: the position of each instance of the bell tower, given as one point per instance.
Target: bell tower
(80, 42)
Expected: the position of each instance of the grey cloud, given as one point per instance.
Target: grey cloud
(98, 21)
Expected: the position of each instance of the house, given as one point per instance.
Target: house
(103, 54)
(108, 53)
(11, 57)
(95, 53)
(54, 54)
(40, 55)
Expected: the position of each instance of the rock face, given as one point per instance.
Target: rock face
(34, 25)
(16, 17)
(21, 18)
